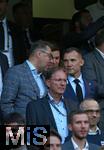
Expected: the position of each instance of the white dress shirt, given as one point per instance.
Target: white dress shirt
(8, 49)
(76, 147)
(1, 84)
(73, 84)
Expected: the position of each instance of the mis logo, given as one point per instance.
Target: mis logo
(21, 135)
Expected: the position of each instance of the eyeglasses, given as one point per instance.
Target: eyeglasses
(59, 80)
(92, 111)
(48, 54)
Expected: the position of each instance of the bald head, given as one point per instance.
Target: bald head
(89, 104)
(92, 108)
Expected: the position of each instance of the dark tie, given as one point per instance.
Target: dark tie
(1, 37)
(78, 90)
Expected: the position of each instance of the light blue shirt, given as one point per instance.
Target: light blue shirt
(60, 120)
(37, 78)
(8, 49)
(73, 84)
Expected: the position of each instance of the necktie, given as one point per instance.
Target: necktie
(78, 90)
(1, 37)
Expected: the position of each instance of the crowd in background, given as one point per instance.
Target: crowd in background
(44, 81)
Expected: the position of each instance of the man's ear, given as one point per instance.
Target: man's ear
(70, 127)
(82, 62)
(47, 82)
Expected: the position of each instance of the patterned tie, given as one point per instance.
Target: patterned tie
(1, 37)
(78, 90)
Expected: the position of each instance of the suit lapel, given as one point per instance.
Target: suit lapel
(71, 92)
(31, 78)
(99, 57)
(49, 113)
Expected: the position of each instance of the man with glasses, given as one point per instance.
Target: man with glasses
(23, 83)
(92, 108)
(54, 108)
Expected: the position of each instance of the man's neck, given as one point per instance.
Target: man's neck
(93, 128)
(56, 97)
(80, 142)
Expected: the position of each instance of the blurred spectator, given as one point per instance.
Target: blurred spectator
(3, 68)
(24, 21)
(14, 120)
(93, 69)
(92, 108)
(10, 43)
(96, 9)
(83, 31)
(53, 141)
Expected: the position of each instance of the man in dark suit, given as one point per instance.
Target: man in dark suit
(79, 125)
(23, 82)
(53, 109)
(3, 68)
(11, 43)
(93, 69)
(73, 63)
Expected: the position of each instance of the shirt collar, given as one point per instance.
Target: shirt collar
(71, 79)
(52, 99)
(76, 147)
(94, 132)
(31, 66)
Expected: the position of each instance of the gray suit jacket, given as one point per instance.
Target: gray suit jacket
(93, 69)
(19, 88)
(69, 146)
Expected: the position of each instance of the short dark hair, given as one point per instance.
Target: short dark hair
(71, 49)
(75, 112)
(14, 118)
(99, 38)
(77, 16)
(40, 44)
(48, 73)
(53, 132)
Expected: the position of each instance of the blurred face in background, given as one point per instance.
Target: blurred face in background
(3, 8)
(93, 111)
(53, 143)
(56, 57)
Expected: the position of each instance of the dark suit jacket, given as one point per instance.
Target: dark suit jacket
(40, 113)
(89, 91)
(19, 88)
(69, 146)
(3, 64)
(19, 52)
